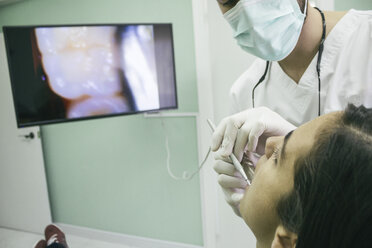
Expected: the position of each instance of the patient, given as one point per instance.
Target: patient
(330, 204)
(313, 187)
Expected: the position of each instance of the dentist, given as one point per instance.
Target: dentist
(309, 63)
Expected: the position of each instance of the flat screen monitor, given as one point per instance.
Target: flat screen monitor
(65, 73)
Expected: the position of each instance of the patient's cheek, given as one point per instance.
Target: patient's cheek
(260, 163)
(244, 202)
(243, 207)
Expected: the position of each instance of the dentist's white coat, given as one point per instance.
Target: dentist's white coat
(346, 76)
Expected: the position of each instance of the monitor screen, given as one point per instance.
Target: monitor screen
(75, 72)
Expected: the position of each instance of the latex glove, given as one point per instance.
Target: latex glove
(248, 130)
(232, 183)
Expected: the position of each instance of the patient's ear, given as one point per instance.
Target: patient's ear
(284, 238)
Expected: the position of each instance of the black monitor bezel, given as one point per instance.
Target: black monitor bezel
(67, 120)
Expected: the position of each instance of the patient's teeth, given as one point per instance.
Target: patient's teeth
(138, 55)
(98, 106)
(80, 60)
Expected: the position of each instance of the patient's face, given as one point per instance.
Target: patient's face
(274, 177)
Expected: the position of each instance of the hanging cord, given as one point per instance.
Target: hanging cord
(260, 81)
(185, 175)
(320, 53)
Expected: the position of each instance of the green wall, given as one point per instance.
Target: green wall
(355, 4)
(111, 174)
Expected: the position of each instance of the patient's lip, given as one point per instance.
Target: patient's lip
(80, 61)
(246, 161)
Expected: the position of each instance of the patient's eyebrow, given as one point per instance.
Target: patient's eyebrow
(286, 138)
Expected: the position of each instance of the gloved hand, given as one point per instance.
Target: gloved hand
(248, 129)
(231, 181)
(252, 126)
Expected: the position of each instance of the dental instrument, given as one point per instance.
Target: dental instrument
(235, 161)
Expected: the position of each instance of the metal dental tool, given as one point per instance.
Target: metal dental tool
(235, 161)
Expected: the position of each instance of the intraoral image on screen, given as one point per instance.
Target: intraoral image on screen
(61, 73)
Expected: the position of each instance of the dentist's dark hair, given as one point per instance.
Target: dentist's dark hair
(302, 3)
(331, 204)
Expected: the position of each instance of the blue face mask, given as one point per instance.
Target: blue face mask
(268, 29)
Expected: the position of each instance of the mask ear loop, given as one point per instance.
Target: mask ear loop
(260, 81)
(320, 53)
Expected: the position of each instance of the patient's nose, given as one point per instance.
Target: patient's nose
(271, 144)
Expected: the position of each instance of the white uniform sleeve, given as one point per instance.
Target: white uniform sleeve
(349, 72)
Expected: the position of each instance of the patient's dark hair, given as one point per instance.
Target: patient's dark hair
(331, 204)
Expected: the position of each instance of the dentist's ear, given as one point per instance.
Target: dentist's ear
(284, 238)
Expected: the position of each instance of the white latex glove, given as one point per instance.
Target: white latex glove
(248, 130)
(231, 181)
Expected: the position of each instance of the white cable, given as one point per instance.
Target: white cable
(185, 174)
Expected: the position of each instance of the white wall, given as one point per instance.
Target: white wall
(24, 201)
(219, 62)
(228, 61)
(325, 4)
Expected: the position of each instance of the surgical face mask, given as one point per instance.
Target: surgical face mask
(268, 29)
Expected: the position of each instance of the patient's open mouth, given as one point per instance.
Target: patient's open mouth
(249, 166)
(250, 173)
